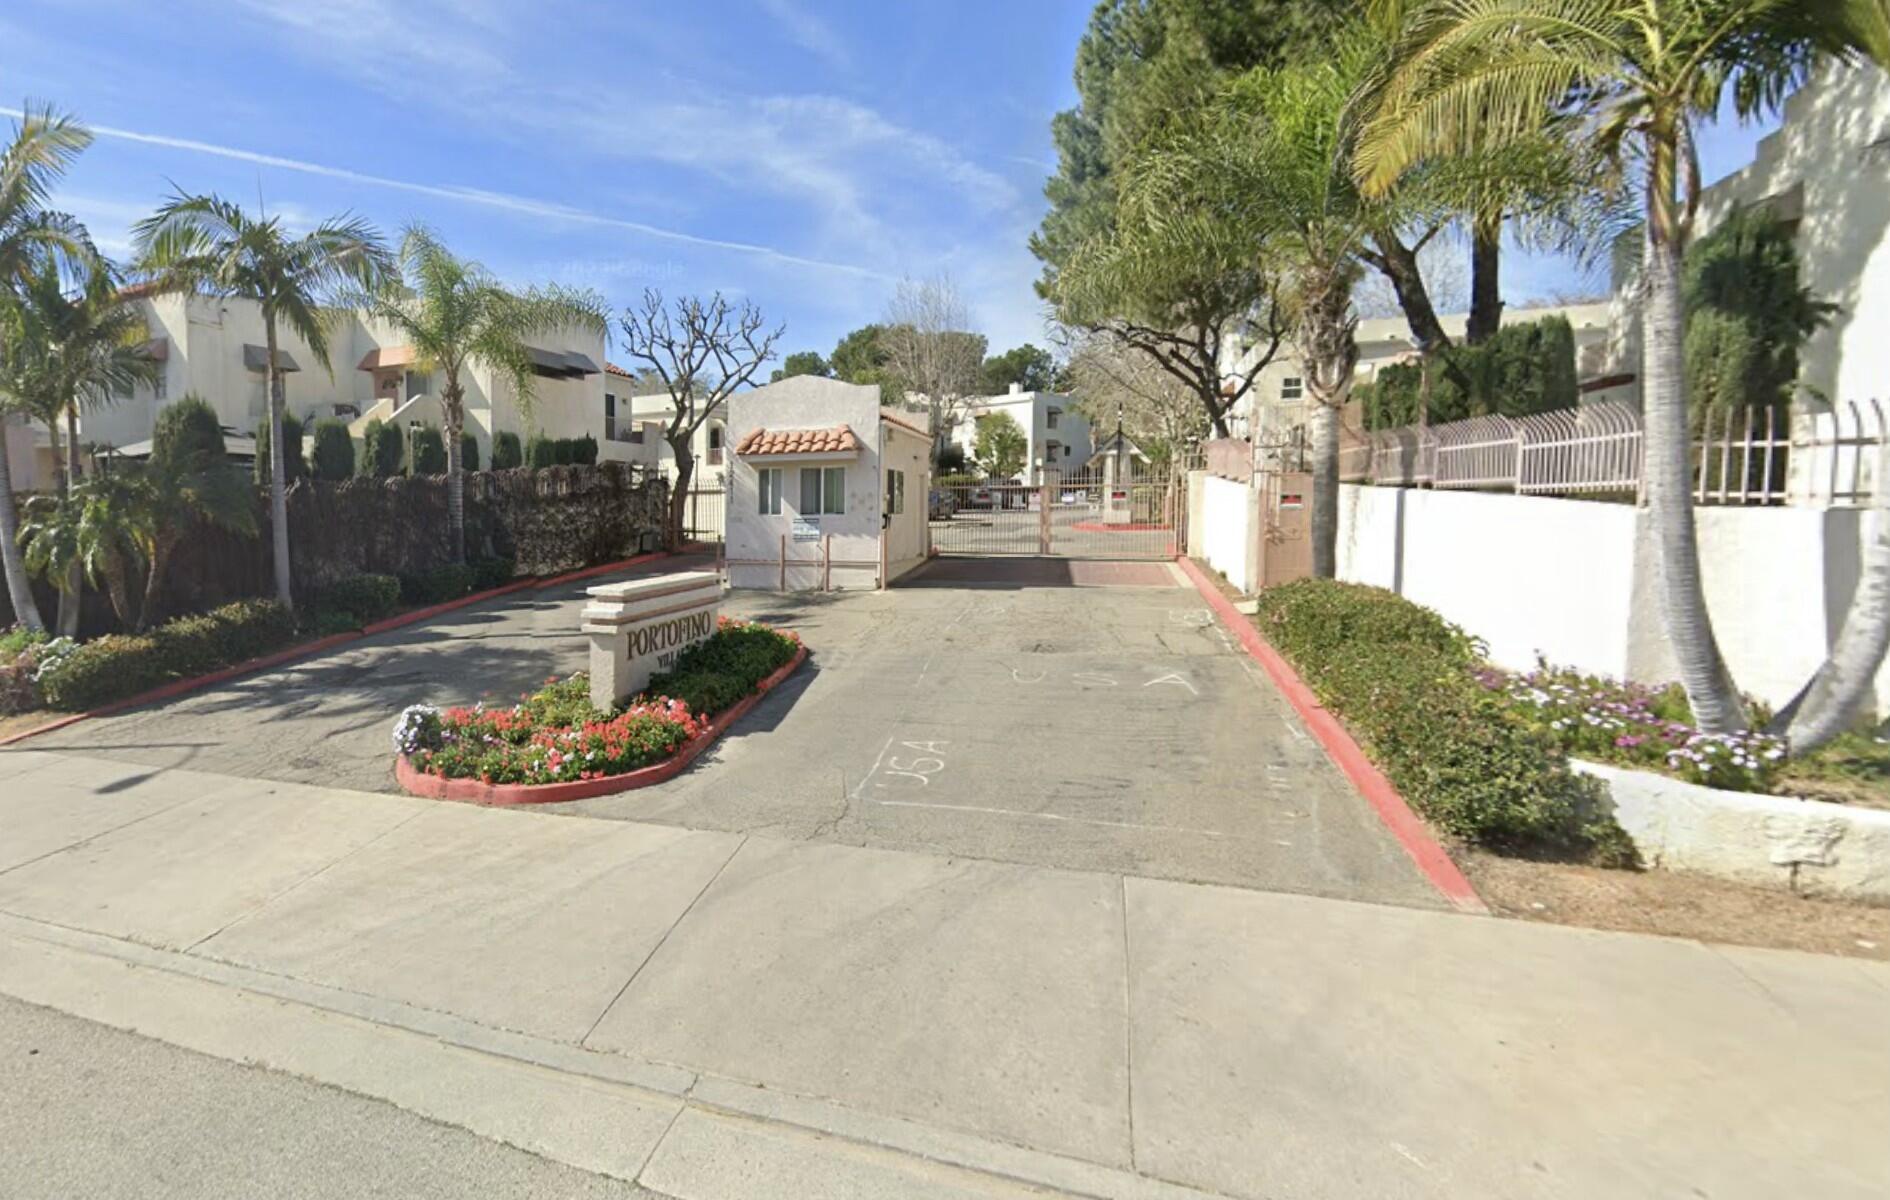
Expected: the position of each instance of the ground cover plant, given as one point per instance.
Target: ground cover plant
(1403, 680)
(555, 734)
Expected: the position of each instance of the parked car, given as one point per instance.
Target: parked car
(941, 505)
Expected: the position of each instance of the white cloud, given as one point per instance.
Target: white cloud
(467, 195)
(808, 31)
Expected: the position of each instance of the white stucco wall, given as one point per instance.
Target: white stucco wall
(1031, 411)
(1229, 516)
(1577, 580)
(902, 449)
(805, 402)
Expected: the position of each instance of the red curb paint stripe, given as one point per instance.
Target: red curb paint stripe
(471, 791)
(605, 569)
(178, 687)
(433, 610)
(1412, 834)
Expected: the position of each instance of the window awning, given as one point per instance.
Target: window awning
(561, 364)
(156, 350)
(254, 358)
(384, 357)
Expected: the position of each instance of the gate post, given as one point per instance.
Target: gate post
(1046, 492)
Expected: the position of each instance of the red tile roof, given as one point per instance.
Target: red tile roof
(611, 368)
(838, 440)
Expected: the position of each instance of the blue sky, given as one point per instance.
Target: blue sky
(805, 155)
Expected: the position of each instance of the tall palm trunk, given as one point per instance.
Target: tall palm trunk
(278, 488)
(162, 545)
(1486, 294)
(66, 617)
(1668, 471)
(1837, 692)
(19, 590)
(1327, 339)
(451, 401)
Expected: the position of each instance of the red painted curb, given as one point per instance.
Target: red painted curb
(1346, 754)
(605, 569)
(471, 791)
(178, 687)
(417, 615)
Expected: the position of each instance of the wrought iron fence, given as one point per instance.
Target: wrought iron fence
(1596, 450)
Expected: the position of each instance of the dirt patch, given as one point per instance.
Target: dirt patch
(1676, 904)
(21, 722)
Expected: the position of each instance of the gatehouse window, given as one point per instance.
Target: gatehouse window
(768, 481)
(823, 491)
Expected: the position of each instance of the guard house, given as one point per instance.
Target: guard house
(827, 489)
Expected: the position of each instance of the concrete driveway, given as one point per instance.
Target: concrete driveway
(1073, 714)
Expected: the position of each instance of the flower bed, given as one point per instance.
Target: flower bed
(554, 736)
(1637, 726)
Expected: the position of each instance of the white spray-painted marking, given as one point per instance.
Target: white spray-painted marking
(1171, 677)
(1092, 677)
(1038, 678)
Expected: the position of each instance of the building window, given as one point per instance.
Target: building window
(768, 485)
(1050, 417)
(895, 492)
(1066, 451)
(610, 417)
(1292, 387)
(715, 445)
(823, 491)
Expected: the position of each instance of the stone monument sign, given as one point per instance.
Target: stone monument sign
(639, 627)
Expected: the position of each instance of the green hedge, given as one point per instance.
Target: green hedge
(540, 453)
(468, 452)
(426, 452)
(1402, 679)
(114, 667)
(438, 585)
(357, 601)
(294, 460)
(713, 675)
(506, 454)
(490, 573)
(584, 451)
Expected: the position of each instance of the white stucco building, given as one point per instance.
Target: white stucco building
(827, 488)
(634, 424)
(214, 348)
(1058, 435)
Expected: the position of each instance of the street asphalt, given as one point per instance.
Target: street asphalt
(1061, 713)
(90, 1111)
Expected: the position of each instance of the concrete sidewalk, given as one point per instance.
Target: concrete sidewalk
(719, 1014)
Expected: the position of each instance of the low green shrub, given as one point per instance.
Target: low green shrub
(113, 667)
(540, 453)
(584, 451)
(358, 600)
(333, 457)
(563, 452)
(437, 585)
(20, 650)
(1403, 680)
(426, 452)
(468, 452)
(506, 455)
(490, 573)
(716, 674)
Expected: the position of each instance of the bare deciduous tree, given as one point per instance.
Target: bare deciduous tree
(702, 351)
(931, 349)
(1109, 378)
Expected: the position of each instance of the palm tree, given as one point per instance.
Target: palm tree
(44, 144)
(456, 315)
(102, 529)
(1270, 155)
(208, 245)
(76, 349)
(1473, 75)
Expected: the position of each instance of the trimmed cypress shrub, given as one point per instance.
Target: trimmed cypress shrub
(540, 453)
(564, 452)
(468, 452)
(506, 454)
(187, 429)
(294, 462)
(426, 452)
(381, 450)
(584, 451)
(334, 450)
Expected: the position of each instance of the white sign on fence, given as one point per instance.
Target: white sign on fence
(806, 530)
